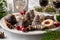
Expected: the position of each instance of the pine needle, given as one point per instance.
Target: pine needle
(52, 35)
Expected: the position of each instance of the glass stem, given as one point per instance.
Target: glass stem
(43, 9)
(57, 11)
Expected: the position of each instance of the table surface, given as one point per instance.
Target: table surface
(12, 36)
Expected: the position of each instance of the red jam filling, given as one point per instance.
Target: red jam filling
(47, 22)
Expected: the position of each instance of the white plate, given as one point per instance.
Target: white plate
(2, 24)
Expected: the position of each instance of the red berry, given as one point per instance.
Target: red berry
(18, 27)
(57, 24)
(23, 29)
(23, 12)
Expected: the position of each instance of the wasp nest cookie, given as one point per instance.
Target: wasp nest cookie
(48, 23)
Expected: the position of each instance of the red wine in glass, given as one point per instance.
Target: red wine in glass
(43, 3)
(56, 4)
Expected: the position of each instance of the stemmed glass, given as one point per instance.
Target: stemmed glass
(56, 4)
(43, 4)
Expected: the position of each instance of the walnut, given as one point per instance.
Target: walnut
(2, 35)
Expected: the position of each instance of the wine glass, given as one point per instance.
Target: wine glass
(56, 4)
(43, 4)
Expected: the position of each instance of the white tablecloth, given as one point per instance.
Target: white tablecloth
(12, 36)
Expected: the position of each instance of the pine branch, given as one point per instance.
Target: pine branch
(2, 12)
(52, 35)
